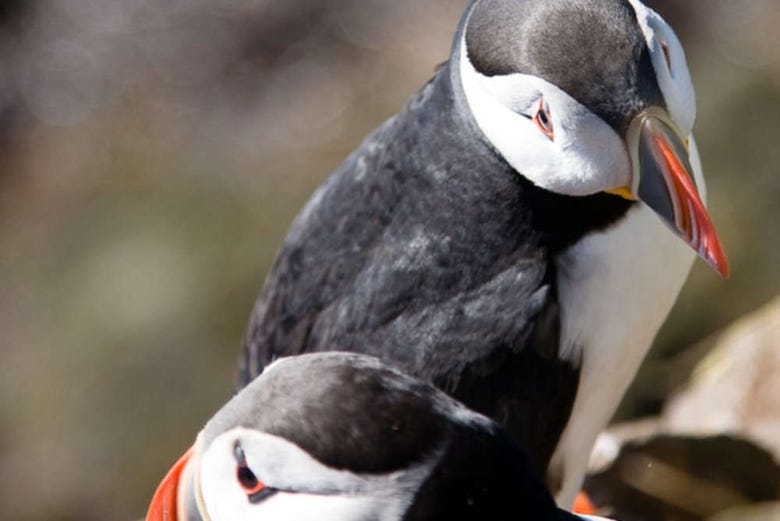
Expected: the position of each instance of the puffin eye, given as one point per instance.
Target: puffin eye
(248, 480)
(544, 120)
(255, 489)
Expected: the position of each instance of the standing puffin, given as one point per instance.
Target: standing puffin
(342, 437)
(517, 234)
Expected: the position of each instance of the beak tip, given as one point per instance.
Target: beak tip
(724, 271)
(720, 264)
(714, 254)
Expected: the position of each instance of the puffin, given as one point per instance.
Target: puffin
(517, 234)
(342, 436)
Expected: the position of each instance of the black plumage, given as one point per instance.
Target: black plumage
(353, 413)
(426, 249)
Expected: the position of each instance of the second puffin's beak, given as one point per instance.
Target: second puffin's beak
(664, 180)
(174, 499)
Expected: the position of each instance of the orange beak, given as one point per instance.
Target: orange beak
(664, 180)
(164, 506)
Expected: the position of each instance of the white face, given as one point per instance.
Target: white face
(556, 142)
(671, 69)
(296, 485)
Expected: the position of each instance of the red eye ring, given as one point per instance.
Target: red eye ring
(248, 480)
(543, 120)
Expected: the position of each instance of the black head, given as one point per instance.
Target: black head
(348, 411)
(594, 50)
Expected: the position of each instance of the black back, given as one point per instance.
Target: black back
(484, 476)
(425, 249)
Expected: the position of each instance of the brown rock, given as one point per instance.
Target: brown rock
(736, 388)
(713, 453)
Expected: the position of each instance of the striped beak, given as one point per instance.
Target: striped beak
(664, 180)
(174, 499)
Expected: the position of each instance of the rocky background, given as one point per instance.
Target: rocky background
(152, 155)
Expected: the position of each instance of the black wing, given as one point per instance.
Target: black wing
(421, 249)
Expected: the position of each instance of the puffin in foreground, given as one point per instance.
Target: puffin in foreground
(518, 233)
(343, 437)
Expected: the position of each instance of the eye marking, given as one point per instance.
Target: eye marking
(255, 489)
(262, 495)
(667, 55)
(543, 120)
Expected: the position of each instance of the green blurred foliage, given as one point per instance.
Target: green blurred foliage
(152, 156)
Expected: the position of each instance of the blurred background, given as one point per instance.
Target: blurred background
(153, 154)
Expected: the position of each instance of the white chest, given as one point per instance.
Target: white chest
(615, 289)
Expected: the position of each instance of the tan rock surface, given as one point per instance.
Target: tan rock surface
(713, 453)
(736, 388)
